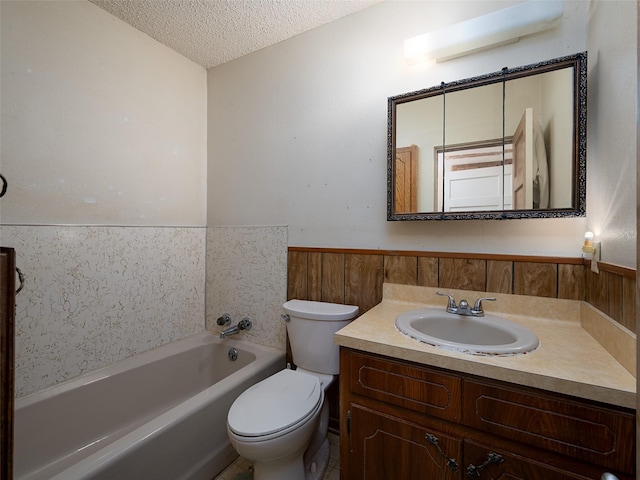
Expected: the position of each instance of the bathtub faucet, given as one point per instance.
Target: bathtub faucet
(244, 324)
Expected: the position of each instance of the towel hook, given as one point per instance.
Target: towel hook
(5, 184)
(21, 279)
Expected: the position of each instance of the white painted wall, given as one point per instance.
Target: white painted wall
(612, 86)
(100, 123)
(297, 132)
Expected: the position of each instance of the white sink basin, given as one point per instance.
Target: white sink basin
(488, 335)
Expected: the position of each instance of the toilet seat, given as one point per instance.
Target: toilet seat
(276, 405)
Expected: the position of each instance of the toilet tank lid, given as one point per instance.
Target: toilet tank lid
(320, 310)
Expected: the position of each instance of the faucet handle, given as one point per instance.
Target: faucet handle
(477, 308)
(225, 319)
(451, 304)
(245, 324)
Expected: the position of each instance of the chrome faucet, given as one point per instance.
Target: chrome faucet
(244, 324)
(463, 307)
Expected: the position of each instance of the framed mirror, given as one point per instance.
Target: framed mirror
(508, 144)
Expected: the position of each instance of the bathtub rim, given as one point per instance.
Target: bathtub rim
(205, 337)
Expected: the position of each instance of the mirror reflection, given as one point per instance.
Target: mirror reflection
(510, 144)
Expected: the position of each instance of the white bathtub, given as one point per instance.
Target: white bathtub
(158, 415)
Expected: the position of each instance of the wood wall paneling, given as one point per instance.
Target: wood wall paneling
(363, 280)
(401, 269)
(355, 276)
(628, 303)
(463, 274)
(571, 282)
(499, 276)
(599, 290)
(536, 279)
(314, 276)
(333, 266)
(614, 297)
(297, 275)
(428, 271)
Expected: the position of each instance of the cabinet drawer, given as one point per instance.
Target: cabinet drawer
(595, 434)
(486, 462)
(409, 386)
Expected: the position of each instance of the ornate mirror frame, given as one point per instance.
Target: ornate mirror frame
(579, 145)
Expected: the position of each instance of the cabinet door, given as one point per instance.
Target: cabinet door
(483, 462)
(386, 448)
(7, 327)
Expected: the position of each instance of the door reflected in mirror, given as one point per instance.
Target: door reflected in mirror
(510, 144)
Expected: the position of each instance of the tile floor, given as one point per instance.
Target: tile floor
(241, 468)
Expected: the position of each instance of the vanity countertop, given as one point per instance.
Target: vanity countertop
(569, 359)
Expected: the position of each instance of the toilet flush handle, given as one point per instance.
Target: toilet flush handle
(285, 317)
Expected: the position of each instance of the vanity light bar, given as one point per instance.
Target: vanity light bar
(482, 33)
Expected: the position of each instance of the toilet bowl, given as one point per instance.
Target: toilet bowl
(272, 423)
(280, 424)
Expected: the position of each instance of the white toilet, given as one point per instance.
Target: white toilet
(280, 424)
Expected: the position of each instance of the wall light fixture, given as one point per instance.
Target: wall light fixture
(591, 251)
(494, 29)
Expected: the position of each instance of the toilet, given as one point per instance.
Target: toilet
(280, 424)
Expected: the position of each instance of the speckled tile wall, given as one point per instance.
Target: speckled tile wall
(94, 295)
(247, 276)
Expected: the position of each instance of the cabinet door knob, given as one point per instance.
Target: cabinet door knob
(474, 472)
(451, 462)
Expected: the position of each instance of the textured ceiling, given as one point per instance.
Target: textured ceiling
(212, 32)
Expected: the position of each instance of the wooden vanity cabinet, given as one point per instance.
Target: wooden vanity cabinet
(401, 420)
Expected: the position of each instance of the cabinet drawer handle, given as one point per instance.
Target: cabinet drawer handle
(451, 462)
(474, 472)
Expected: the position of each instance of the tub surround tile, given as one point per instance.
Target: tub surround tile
(246, 276)
(569, 359)
(95, 295)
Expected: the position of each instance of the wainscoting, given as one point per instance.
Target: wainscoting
(356, 276)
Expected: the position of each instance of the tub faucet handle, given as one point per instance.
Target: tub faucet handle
(245, 324)
(225, 319)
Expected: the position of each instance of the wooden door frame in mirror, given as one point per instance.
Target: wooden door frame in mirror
(579, 62)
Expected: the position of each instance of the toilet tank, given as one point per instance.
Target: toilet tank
(311, 327)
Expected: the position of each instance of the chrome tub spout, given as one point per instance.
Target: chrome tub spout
(244, 324)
